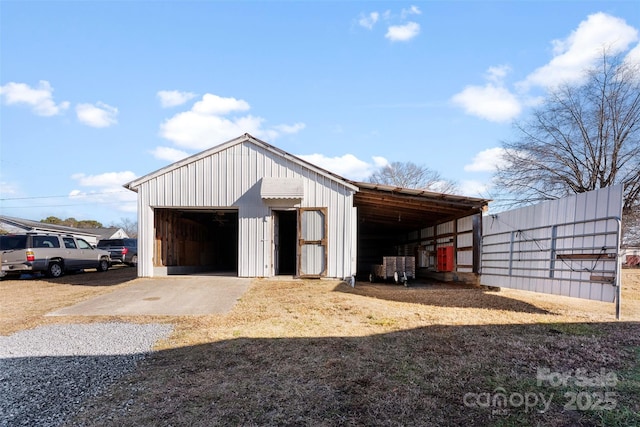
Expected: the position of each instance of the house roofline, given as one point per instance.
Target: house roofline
(133, 185)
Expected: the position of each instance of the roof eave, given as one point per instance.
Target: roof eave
(133, 185)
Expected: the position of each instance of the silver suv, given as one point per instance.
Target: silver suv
(52, 254)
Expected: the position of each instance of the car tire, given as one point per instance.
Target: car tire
(55, 269)
(134, 261)
(103, 265)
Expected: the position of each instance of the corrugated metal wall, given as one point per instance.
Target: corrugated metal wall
(457, 233)
(565, 247)
(230, 179)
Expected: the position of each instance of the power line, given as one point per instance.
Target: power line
(64, 205)
(65, 196)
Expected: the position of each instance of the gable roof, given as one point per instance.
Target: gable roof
(105, 232)
(133, 185)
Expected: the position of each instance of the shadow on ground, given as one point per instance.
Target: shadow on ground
(429, 376)
(116, 275)
(441, 295)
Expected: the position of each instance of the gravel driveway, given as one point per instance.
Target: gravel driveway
(48, 372)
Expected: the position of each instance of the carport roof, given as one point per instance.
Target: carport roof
(409, 209)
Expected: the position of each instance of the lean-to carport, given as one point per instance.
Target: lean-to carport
(401, 221)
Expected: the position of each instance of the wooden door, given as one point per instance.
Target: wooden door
(312, 242)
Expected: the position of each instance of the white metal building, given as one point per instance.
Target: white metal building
(248, 208)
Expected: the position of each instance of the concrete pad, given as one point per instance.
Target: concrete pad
(166, 296)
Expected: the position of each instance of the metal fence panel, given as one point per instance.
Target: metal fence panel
(565, 247)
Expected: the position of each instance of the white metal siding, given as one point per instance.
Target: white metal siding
(230, 179)
(464, 245)
(566, 247)
(444, 228)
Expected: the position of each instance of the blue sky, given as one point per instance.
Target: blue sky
(94, 94)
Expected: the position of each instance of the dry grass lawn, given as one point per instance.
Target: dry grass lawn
(323, 353)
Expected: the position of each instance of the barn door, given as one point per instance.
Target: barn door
(312, 242)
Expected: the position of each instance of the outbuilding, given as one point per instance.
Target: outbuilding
(250, 209)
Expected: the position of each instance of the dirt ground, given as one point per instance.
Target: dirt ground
(323, 353)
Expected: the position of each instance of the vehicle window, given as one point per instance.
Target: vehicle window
(83, 244)
(109, 242)
(45, 242)
(69, 243)
(8, 243)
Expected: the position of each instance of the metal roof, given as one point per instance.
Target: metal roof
(29, 225)
(396, 208)
(241, 139)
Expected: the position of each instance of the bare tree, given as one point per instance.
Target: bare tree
(631, 227)
(410, 175)
(129, 226)
(579, 139)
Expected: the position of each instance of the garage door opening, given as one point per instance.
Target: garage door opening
(285, 238)
(189, 241)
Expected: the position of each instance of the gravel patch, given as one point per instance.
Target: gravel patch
(48, 372)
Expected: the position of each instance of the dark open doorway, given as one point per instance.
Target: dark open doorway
(194, 241)
(285, 237)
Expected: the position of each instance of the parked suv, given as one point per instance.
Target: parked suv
(121, 250)
(52, 254)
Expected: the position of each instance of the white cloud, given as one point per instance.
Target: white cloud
(572, 57)
(347, 166)
(379, 162)
(99, 115)
(403, 32)
(497, 74)
(368, 21)
(214, 104)
(200, 131)
(582, 49)
(173, 98)
(40, 99)
(206, 124)
(107, 189)
(490, 102)
(487, 160)
(413, 10)
(633, 56)
(289, 129)
(109, 179)
(474, 188)
(169, 154)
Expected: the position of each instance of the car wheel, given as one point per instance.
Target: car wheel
(103, 265)
(134, 261)
(55, 269)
